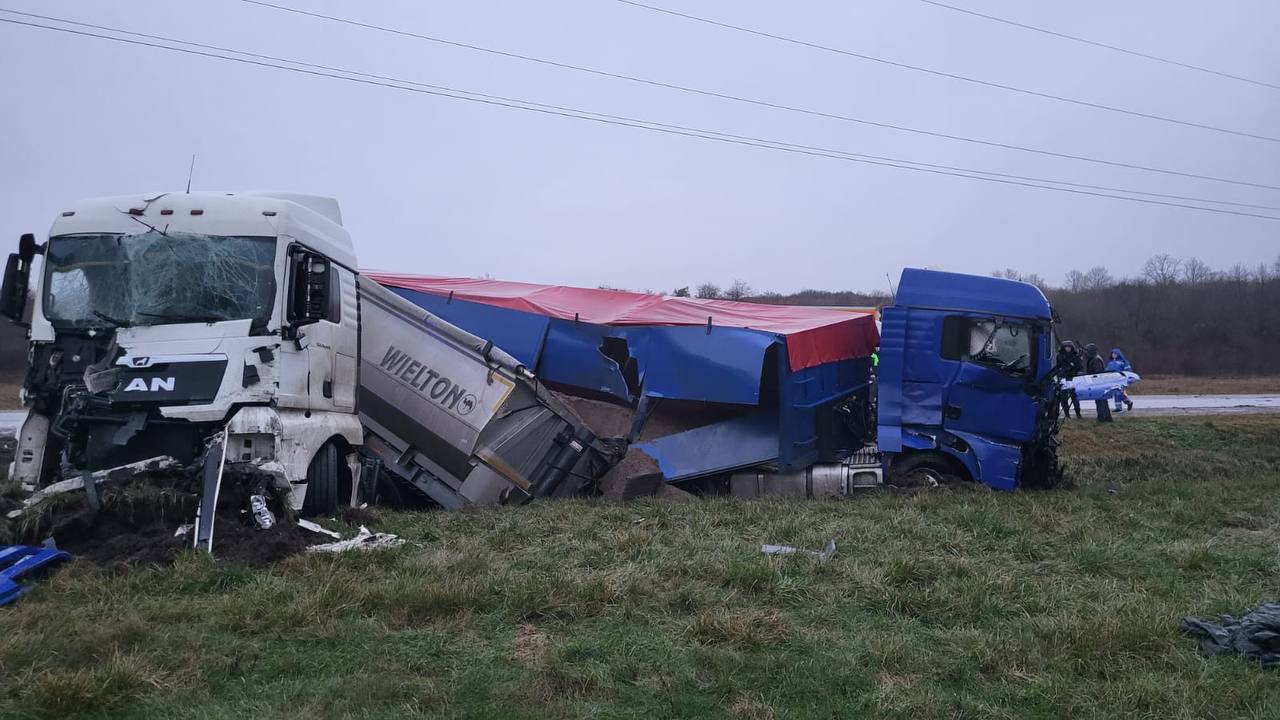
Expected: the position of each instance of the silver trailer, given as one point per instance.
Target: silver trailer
(458, 418)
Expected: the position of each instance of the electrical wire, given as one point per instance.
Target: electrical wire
(949, 75)
(1095, 43)
(888, 126)
(748, 100)
(441, 91)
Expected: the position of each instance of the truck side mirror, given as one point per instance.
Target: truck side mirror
(309, 293)
(17, 277)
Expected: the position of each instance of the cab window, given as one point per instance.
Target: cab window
(1001, 344)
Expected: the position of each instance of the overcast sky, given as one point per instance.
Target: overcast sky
(446, 187)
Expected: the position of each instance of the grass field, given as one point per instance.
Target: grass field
(1184, 385)
(9, 395)
(945, 603)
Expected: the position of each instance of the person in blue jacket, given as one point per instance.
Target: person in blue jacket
(1120, 363)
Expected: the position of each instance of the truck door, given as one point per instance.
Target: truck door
(992, 393)
(323, 311)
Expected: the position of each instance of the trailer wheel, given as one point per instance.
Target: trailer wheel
(926, 469)
(322, 482)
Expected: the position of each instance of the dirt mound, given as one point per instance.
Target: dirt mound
(137, 522)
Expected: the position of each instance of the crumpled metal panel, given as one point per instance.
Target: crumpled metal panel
(998, 463)
(716, 448)
(688, 363)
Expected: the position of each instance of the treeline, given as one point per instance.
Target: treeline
(1179, 316)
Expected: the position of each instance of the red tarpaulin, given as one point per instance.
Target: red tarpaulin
(814, 335)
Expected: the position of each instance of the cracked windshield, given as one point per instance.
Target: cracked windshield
(147, 279)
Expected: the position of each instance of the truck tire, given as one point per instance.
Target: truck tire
(322, 482)
(926, 469)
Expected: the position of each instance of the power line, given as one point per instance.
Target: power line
(1051, 181)
(1095, 43)
(952, 76)
(392, 83)
(762, 103)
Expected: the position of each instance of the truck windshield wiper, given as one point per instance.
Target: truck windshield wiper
(114, 322)
(184, 317)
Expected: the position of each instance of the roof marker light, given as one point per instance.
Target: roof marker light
(269, 213)
(197, 212)
(68, 213)
(167, 211)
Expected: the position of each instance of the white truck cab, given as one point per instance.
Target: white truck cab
(194, 313)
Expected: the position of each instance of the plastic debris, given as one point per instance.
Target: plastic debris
(1254, 637)
(17, 561)
(316, 528)
(822, 555)
(262, 515)
(184, 529)
(364, 540)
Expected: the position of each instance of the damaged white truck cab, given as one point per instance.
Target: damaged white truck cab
(162, 322)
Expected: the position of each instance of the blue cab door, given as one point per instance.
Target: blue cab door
(996, 361)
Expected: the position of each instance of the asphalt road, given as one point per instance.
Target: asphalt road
(10, 421)
(1143, 405)
(1204, 404)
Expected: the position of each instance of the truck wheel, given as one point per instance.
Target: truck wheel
(925, 469)
(322, 482)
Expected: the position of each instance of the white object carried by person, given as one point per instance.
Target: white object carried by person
(1100, 385)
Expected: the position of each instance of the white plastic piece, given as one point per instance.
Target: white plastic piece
(822, 555)
(364, 540)
(315, 528)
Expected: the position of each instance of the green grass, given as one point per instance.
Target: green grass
(963, 603)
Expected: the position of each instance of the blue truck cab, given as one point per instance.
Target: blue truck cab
(966, 384)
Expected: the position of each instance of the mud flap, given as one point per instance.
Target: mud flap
(210, 484)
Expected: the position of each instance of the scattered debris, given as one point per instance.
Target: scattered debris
(821, 555)
(364, 540)
(1254, 637)
(184, 529)
(316, 528)
(262, 514)
(124, 472)
(17, 561)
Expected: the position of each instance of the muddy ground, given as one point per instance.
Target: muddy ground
(138, 520)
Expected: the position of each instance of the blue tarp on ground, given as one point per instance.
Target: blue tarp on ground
(17, 561)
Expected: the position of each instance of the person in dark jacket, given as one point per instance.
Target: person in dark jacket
(1094, 364)
(1120, 363)
(1069, 366)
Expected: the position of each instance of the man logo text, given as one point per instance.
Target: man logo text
(158, 384)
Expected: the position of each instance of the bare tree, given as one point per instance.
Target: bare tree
(1239, 273)
(1196, 271)
(707, 291)
(1098, 277)
(1162, 269)
(738, 291)
(681, 292)
(1077, 281)
(1011, 274)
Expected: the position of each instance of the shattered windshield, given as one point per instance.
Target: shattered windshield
(1005, 344)
(158, 278)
